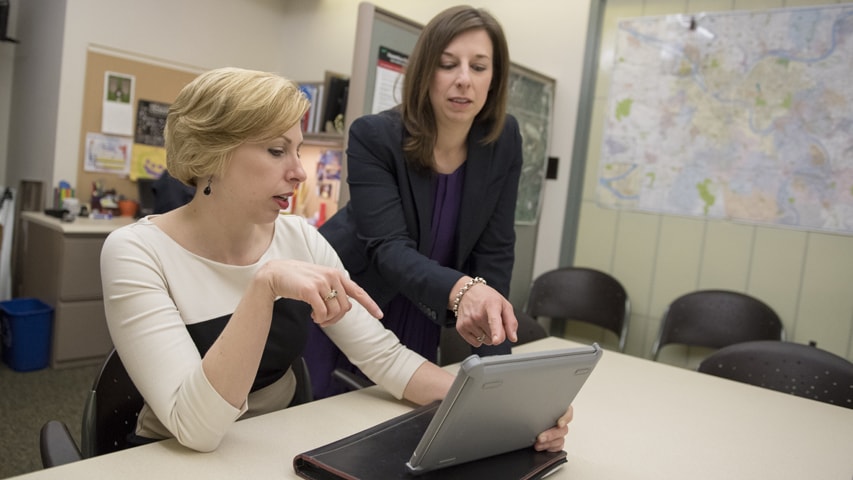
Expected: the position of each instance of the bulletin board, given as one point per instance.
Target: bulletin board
(154, 81)
(531, 99)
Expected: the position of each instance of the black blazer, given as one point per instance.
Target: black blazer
(383, 234)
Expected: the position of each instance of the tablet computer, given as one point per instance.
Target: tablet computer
(500, 403)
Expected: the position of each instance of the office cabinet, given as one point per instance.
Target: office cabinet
(61, 267)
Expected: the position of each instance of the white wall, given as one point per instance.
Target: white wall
(7, 59)
(298, 38)
(551, 43)
(34, 89)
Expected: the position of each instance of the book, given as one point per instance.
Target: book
(312, 91)
(383, 450)
(316, 124)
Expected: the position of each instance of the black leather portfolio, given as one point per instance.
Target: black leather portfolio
(381, 452)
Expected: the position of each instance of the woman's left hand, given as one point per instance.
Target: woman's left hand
(554, 438)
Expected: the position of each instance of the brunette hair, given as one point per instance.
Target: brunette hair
(416, 109)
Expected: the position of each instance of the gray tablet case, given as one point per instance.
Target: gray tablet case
(381, 451)
(501, 403)
(495, 408)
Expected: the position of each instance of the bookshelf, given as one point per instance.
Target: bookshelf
(328, 104)
(323, 139)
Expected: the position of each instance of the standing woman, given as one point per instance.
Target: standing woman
(429, 230)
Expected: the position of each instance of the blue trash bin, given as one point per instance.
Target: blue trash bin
(26, 329)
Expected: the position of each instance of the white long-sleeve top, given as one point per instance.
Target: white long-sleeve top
(165, 306)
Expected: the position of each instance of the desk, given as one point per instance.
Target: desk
(61, 267)
(634, 419)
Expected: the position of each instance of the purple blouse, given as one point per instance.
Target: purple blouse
(402, 317)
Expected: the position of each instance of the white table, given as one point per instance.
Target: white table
(80, 225)
(634, 419)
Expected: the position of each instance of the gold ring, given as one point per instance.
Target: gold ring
(332, 294)
(481, 338)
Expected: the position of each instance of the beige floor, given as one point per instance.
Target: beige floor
(27, 401)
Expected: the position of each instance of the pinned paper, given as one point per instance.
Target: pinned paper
(107, 154)
(117, 111)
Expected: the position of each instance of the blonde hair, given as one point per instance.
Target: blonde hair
(222, 109)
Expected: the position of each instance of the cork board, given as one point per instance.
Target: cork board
(154, 82)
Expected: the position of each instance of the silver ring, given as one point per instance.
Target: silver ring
(481, 338)
(332, 294)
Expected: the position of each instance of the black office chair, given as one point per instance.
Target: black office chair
(110, 414)
(581, 294)
(108, 417)
(801, 370)
(304, 392)
(716, 319)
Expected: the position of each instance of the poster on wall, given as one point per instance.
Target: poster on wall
(329, 178)
(739, 116)
(107, 154)
(147, 161)
(117, 109)
(329, 165)
(316, 198)
(150, 122)
(388, 89)
(149, 155)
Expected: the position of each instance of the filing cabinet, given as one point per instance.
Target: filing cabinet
(61, 267)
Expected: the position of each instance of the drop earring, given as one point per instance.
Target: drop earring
(206, 190)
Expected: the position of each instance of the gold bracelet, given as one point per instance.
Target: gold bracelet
(462, 292)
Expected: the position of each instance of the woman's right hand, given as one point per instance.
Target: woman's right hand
(485, 317)
(326, 289)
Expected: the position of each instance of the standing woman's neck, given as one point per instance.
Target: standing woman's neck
(451, 148)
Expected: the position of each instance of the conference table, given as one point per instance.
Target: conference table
(634, 419)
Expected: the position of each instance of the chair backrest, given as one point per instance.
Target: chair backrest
(452, 348)
(715, 319)
(110, 413)
(582, 294)
(801, 370)
(304, 392)
(111, 410)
